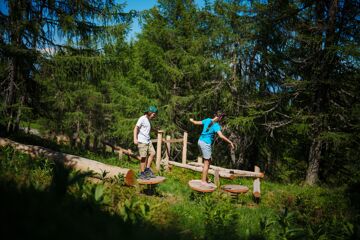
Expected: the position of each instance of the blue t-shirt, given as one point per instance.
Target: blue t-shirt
(208, 136)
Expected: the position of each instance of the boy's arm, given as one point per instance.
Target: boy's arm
(226, 139)
(136, 131)
(195, 122)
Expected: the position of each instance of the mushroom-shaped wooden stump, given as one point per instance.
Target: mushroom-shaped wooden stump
(234, 189)
(198, 186)
(151, 184)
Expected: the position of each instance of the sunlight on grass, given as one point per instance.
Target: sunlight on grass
(284, 211)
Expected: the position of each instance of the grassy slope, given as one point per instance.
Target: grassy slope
(45, 200)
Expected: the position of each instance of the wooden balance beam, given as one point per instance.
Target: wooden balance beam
(76, 162)
(234, 172)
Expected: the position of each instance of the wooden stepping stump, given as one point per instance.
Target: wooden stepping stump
(151, 184)
(234, 190)
(198, 186)
(151, 181)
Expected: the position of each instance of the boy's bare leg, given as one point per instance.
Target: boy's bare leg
(150, 159)
(204, 176)
(142, 164)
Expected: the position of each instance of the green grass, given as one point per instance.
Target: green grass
(43, 198)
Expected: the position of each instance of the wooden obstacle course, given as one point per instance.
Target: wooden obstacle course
(198, 186)
(198, 165)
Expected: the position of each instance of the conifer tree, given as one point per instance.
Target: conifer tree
(28, 28)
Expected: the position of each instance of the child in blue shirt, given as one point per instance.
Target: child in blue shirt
(210, 127)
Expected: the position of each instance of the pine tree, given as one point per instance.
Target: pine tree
(30, 27)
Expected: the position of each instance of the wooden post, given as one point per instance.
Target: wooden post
(199, 159)
(217, 178)
(158, 150)
(184, 150)
(167, 153)
(256, 191)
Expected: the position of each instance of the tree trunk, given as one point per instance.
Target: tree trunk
(87, 142)
(233, 156)
(312, 174)
(9, 94)
(321, 75)
(76, 140)
(241, 159)
(95, 143)
(241, 143)
(9, 124)
(16, 125)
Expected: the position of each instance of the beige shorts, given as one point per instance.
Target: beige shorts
(146, 149)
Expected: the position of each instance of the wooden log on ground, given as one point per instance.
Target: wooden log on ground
(235, 172)
(76, 162)
(256, 190)
(222, 174)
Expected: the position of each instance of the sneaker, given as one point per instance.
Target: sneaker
(149, 173)
(143, 176)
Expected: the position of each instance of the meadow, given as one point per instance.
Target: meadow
(41, 199)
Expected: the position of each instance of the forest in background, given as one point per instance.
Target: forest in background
(286, 73)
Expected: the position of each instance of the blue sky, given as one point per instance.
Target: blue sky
(138, 5)
(2, 6)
